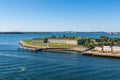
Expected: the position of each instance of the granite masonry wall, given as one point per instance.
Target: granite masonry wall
(75, 42)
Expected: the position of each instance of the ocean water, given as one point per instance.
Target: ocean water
(24, 65)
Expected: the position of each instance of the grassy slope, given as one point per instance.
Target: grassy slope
(52, 45)
(63, 38)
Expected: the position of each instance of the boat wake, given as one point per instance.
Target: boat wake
(18, 56)
(22, 69)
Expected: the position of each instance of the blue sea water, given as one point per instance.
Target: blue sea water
(23, 65)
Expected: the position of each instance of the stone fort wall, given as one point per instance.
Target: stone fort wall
(75, 42)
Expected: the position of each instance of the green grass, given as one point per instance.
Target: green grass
(35, 44)
(52, 45)
(63, 38)
(56, 45)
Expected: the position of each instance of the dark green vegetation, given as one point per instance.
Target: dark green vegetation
(102, 41)
(61, 37)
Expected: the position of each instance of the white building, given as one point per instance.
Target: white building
(116, 48)
(107, 49)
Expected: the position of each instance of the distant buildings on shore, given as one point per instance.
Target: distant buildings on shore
(114, 49)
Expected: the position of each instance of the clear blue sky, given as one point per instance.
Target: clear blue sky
(59, 15)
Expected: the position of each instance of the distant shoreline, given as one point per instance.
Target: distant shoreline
(58, 32)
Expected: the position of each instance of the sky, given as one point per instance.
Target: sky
(60, 15)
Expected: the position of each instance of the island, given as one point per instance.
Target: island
(102, 46)
(53, 43)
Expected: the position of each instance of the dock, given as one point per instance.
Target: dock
(98, 54)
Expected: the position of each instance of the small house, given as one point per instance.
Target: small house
(116, 49)
(107, 49)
